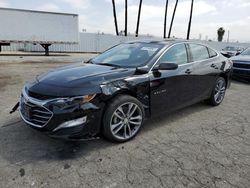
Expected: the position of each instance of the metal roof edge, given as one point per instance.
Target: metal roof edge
(38, 11)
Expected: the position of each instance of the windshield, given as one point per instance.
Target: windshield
(128, 55)
(230, 48)
(246, 52)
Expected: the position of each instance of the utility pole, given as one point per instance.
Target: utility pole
(115, 19)
(228, 34)
(138, 19)
(126, 18)
(190, 19)
(170, 29)
(165, 19)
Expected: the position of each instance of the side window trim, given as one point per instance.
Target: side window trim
(189, 54)
(208, 53)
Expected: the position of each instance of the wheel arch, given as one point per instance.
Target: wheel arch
(144, 99)
(226, 76)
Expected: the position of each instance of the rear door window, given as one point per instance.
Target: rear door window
(199, 52)
(212, 53)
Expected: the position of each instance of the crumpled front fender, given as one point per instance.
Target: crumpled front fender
(137, 87)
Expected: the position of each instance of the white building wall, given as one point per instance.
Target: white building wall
(90, 42)
(17, 25)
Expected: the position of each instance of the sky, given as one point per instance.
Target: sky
(208, 16)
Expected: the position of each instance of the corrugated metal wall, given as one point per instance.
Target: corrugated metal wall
(90, 42)
(14, 47)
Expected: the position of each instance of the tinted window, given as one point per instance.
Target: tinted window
(199, 52)
(176, 54)
(212, 53)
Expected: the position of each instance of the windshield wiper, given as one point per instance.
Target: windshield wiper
(88, 61)
(109, 64)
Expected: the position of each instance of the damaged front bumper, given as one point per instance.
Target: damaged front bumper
(74, 121)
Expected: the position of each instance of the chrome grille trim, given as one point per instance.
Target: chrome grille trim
(40, 115)
(38, 111)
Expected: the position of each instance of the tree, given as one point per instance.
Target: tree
(138, 19)
(170, 29)
(115, 19)
(126, 18)
(190, 19)
(220, 32)
(165, 19)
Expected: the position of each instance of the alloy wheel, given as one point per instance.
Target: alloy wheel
(219, 91)
(126, 121)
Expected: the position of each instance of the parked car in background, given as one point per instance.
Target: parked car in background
(230, 51)
(114, 92)
(241, 65)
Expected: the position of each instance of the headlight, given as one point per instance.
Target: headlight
(73, 100)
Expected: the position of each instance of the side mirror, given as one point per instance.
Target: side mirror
(166, 66)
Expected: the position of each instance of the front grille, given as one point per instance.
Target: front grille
(242, 65)
(34, 114)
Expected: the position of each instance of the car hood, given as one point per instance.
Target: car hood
(241, 58)
(77, 79)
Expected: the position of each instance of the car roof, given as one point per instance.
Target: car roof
(169, 41)
(158, 41)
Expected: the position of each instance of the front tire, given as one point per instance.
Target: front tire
(218, 92)
(123, 118)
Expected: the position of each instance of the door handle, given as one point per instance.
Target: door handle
(214, 66)
(188, 71)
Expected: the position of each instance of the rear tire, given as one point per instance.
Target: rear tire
(218, 92)
(123, 118)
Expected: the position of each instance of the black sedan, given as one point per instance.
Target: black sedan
(241, 65)
(113, 93)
